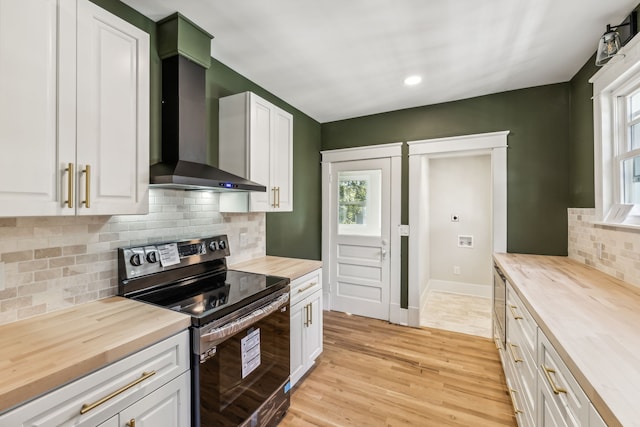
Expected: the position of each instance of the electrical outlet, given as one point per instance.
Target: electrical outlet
(456, 270)
(243, 240)
(1, 276)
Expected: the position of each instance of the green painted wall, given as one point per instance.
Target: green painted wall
(537, 158)
(581, 178)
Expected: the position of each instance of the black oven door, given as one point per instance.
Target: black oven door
(246, 380)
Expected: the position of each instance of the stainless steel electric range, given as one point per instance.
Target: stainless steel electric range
(240, 327)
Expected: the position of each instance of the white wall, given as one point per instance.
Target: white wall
(49, 263)
(460, 186)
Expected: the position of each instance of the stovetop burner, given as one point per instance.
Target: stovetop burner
(213, 296)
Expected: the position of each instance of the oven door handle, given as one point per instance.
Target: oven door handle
(221, 333)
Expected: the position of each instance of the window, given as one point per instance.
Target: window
(359, 202)
(627, 156)
(616, 89)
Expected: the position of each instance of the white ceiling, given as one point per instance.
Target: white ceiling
(338, 59)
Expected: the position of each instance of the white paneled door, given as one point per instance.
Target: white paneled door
(360, 222)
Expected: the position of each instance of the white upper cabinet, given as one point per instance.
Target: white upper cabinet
(74, 115)
(256, 142)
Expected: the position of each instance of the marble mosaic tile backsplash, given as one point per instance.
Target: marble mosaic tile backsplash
(49, 263)
(612, 250)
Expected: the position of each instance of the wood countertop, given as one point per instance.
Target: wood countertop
(592, 320)
(47, 351)
(279, 266)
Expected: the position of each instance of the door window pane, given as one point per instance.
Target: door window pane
(634, 106)
(359, 202)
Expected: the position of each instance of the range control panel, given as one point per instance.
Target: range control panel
(136, 261)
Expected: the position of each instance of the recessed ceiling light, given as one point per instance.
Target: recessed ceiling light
(412, 80)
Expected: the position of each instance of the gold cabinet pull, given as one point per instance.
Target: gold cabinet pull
(273, 190)
(311, 313)
(513, 399)
(516, 359)
(131, 423)
(278, 192)
(306, 315)
(515, 315)
(87, 188)
(89, 406)
(309, 286)
(498, 346)
(70, 177)
(554, 387)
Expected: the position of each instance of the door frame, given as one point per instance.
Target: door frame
(495, 145)
(393, 151)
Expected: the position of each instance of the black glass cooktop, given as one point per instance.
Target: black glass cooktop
(211, 297)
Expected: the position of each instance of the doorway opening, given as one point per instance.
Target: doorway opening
(457, 213)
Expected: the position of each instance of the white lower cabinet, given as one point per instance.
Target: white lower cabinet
(306, 323)
(564, 401)
(152, 384)
(168, 406)
(543, 390)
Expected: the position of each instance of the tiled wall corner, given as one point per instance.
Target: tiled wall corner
(619, 253)
(55, 262)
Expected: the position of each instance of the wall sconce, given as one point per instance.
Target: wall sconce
(615, 37)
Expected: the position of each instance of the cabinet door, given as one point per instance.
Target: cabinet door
(282, 161)
(549, 414)
(169, 406)
(298, 312)
(111, 422)
(260, 133)
(113, 114)
(313, 331)
(35, 35)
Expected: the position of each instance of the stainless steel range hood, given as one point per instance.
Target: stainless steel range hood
(184, 136)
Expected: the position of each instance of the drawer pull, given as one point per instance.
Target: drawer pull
(516, 359)
(497, 341)
(132, 423)
(547, 373)
(515, 315)
(89, 406)
(513, 399)
(309, 286)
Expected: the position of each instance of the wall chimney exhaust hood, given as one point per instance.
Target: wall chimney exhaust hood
(184, 119)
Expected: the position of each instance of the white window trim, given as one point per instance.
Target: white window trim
(622, 71)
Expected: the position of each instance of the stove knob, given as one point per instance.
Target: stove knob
(152, 257)
(222, 244)
(136, 260)
(213, 245)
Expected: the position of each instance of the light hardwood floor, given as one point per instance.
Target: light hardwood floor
(458, 313)
(372, 373)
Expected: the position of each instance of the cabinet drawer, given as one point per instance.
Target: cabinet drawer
(524, 415)
(519, 317)
(524, 368)
(306, 285)
(108, 390)
(560, 386)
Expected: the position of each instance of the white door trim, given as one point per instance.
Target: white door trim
(493, 144)
(393, 151)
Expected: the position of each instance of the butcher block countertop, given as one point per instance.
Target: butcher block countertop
(279, 266)
(44, 352)
(592, 320)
